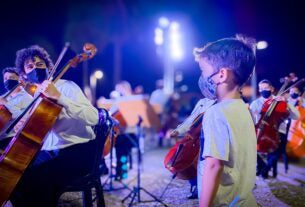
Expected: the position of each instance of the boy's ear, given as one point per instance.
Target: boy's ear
(224, 74)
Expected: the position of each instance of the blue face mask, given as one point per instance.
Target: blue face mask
(208, 87)
(38, 75)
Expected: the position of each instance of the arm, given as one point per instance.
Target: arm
(210, 181)
(293, 112)
(73, 100)
(19, 103)
(201, 106)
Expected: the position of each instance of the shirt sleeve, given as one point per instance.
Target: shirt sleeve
(77, 105)
(216, 136)
(293, 112)
(200, 107)
(18, 104)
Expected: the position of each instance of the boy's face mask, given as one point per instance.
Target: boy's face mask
(208, 87)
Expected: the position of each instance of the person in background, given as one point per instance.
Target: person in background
(15, 103)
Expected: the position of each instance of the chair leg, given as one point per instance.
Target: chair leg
(87, 198)
(100, 201)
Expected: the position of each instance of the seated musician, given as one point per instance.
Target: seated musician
(182, 129)
(266, 89)
(226, 170)
(67, 150)
(127, 138)
(15, 102)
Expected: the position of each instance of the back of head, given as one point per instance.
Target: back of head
(235, 53)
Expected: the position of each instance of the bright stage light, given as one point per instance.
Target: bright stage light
(98, 74)
(158, 36)
(261, 45)
(163, 22)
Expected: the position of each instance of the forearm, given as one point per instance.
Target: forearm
(210, 182)
(293, 112)
(81, 111)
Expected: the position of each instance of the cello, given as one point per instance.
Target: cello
(272, 114)
(5, 114)
(29, 139)
(181, 160)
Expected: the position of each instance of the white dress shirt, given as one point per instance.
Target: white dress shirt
(75, 122)
(16, 105)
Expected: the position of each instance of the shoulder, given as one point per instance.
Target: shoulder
(205, 102)
(66, 85)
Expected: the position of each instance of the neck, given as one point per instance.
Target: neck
(229, 94)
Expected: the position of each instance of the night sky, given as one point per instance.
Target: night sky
(51, 23)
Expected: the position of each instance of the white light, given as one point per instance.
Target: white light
(98, 74)
(174, 25)
(261, 45)
(158, 40)
(176, 54)
(158, 32)
(174, 36)
(179, 77)
(184, 88)
(158, 36)
(163, 22)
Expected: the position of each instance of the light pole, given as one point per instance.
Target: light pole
(96, 75)
(260, 45)
(168, 41)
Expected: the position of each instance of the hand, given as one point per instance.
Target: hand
(280, 98)
(48, 89)
(3, 101)
(174, 133)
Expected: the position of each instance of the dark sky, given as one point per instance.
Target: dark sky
(51, 23)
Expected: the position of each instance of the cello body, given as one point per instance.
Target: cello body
(272, 114)
(296, 136)
(25, 145)
(5, 117)
(182, 158)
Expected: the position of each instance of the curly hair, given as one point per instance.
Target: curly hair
(237, 54)
(10, 70)
(29, 53)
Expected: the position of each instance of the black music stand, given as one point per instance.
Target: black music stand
(137, 189)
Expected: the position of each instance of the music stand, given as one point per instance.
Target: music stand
(137, 189)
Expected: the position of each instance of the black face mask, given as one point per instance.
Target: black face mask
(246, 99)
(294, 95)
(10, 84)
(265, 93)
(38, 75)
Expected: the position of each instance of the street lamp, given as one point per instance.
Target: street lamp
(260, 45)
(96, 75)
(168, 40)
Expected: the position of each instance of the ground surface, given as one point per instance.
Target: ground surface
(287, 190)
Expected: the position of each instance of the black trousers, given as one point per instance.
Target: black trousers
(49, 172)
(272, 158)
(124, 144)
